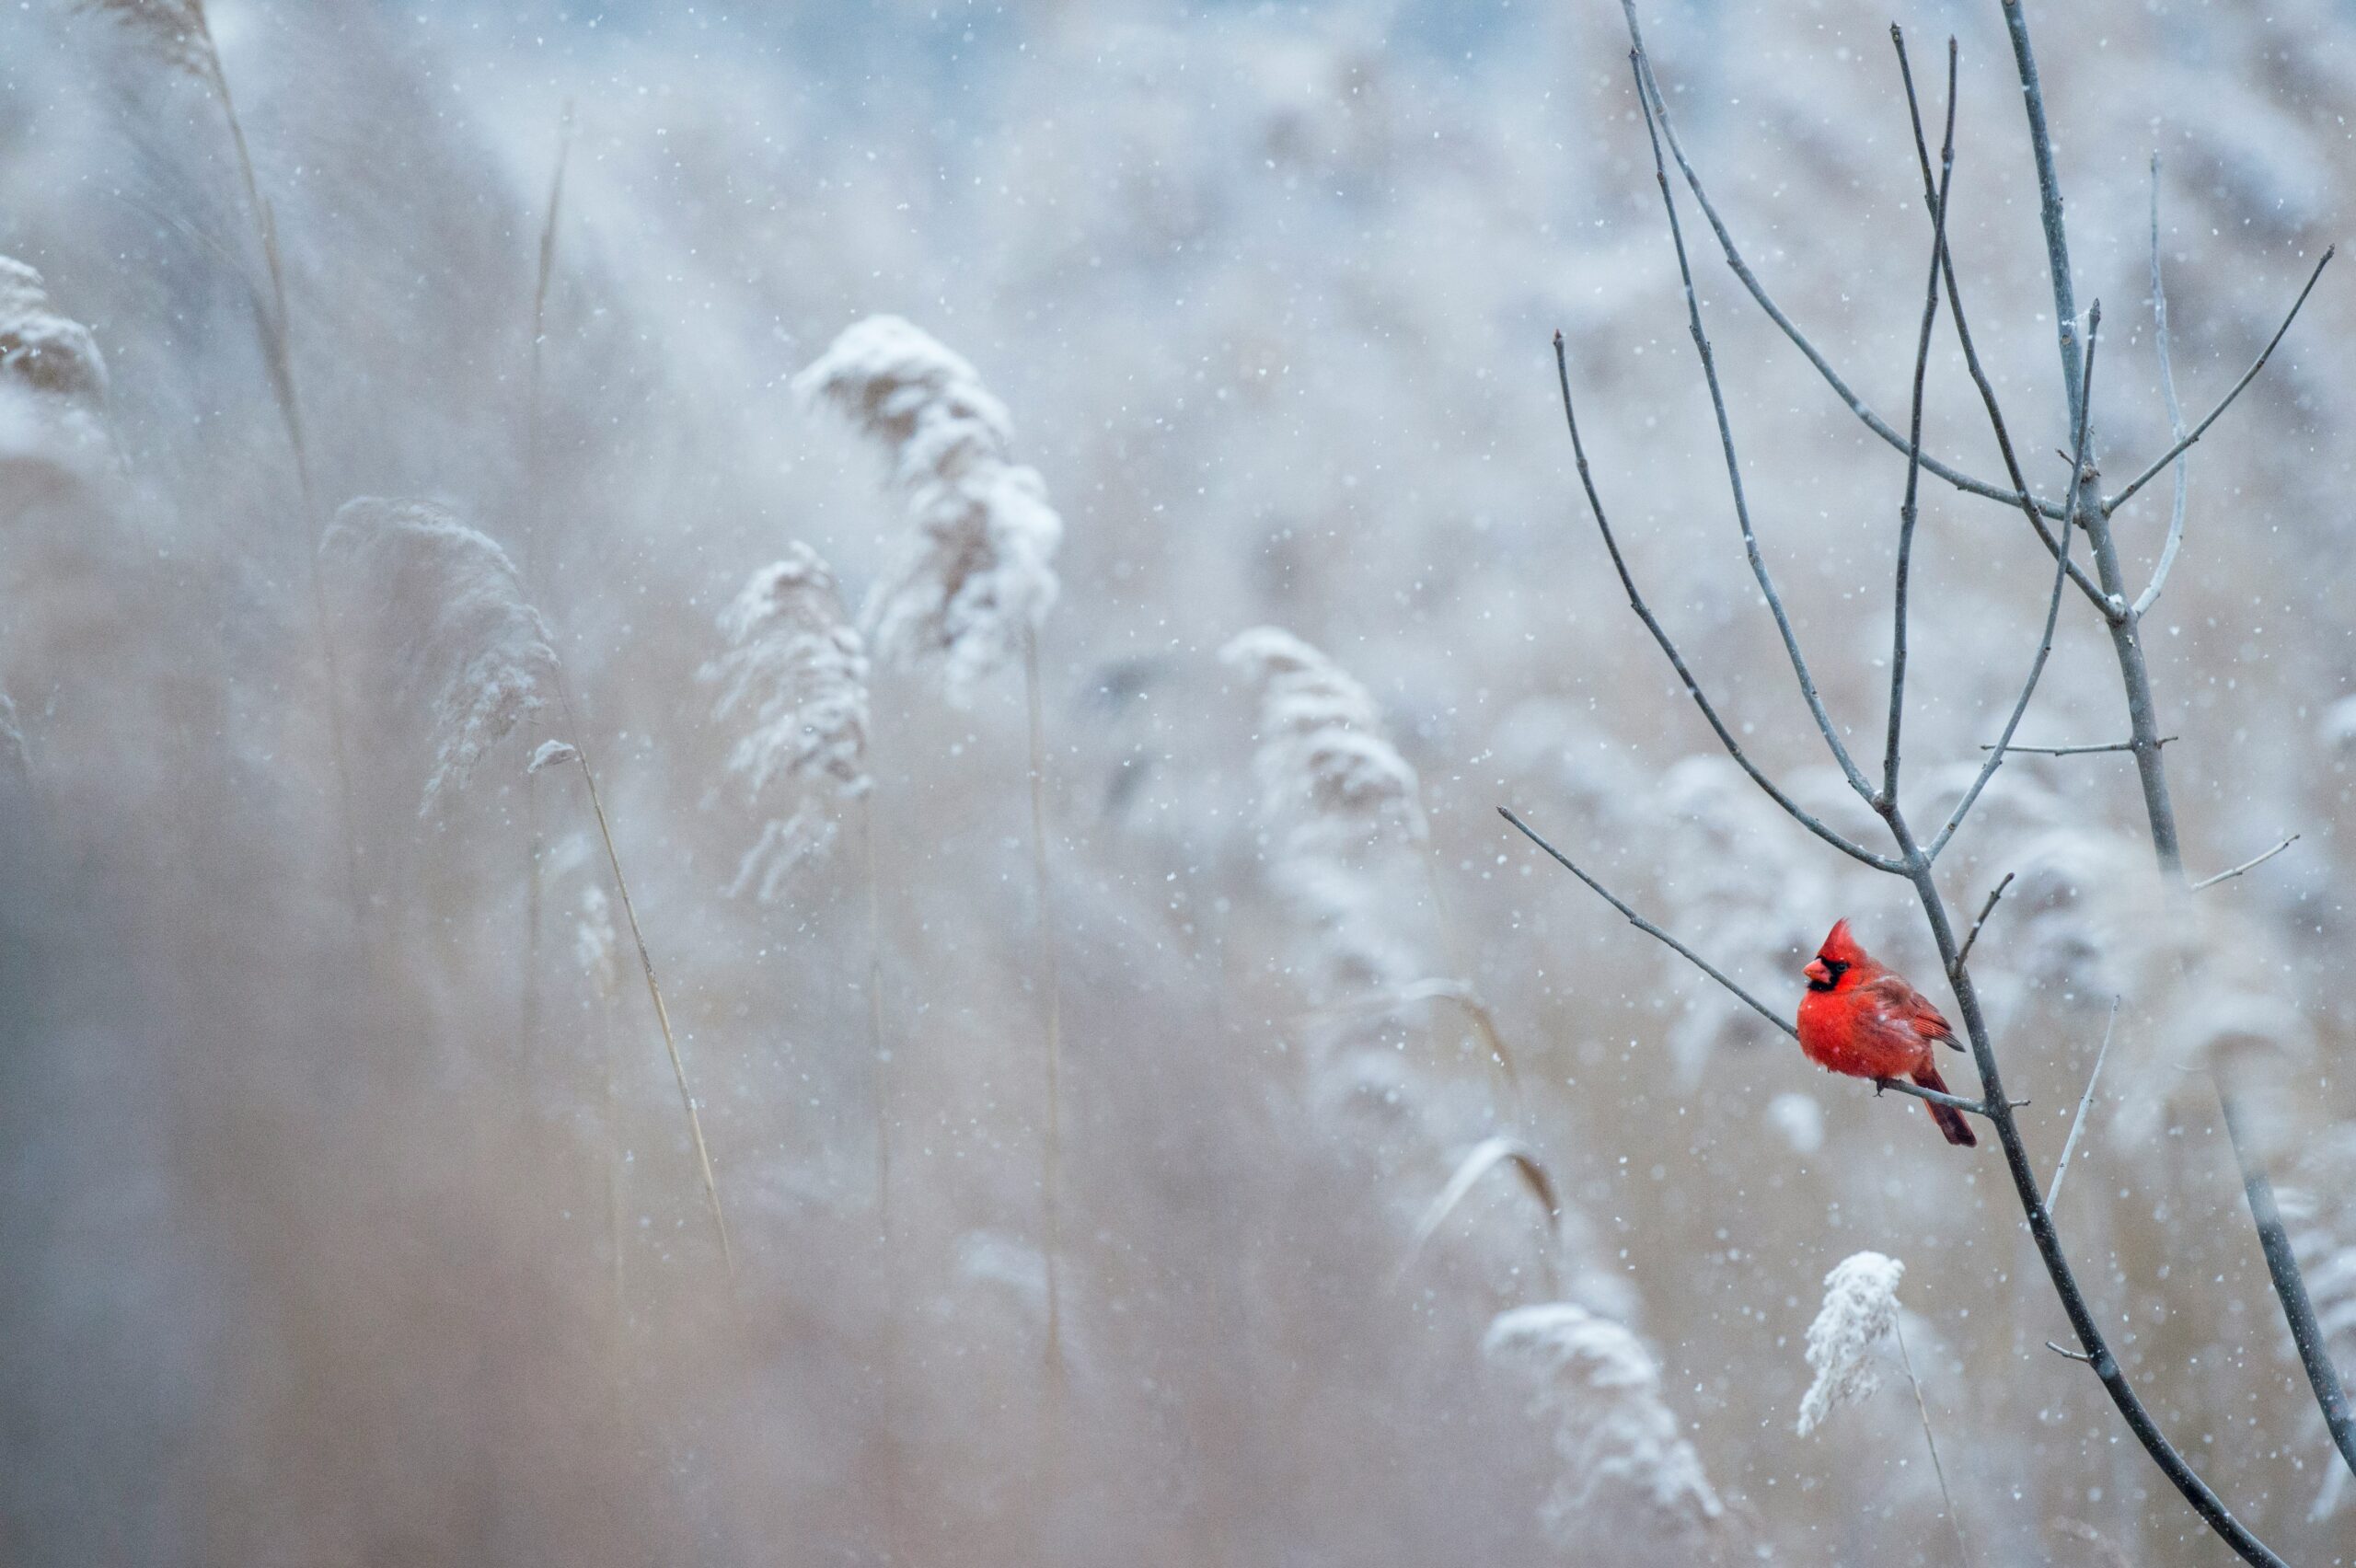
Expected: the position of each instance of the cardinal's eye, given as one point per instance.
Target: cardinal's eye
(1835, 968)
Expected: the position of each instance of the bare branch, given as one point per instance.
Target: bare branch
(1750, 281)
(2078, 1125)
(2245, 865)
(1907, 512)
(2181, 1474)
(2072, 1355)
(1668, 645)
(1964, 955)
(2173, 453)
(2150, 594)
(1687, 953)
(1734, 466)
(2080, 751)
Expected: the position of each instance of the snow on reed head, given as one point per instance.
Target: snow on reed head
(798, 674)
(979, 577)
(52, 379)
(175, 29)
(446, 602)
(1617, 1441)
(1860, 1307)
(1336, 802)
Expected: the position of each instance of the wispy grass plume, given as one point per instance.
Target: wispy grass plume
(448, 605)
(794, 677)
(1340, 809)
(1617, 1441)
(53, 378)
(968, 594)
(978, 578)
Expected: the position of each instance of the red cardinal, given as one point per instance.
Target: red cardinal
(1861, 1020)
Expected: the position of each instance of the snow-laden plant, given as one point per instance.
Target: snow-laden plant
(978, 578)
(1616, 1440)
(1860, 1310)
(1340, 811)
(53, 378)
(450, 611)
(794, 677)
(969, 593)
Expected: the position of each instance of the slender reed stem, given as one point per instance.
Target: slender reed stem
(1961, 1554)
(654, 989)
(2086, 1102)
(271, 325)
(877, 1053)
(1051, 1174)
(534, 868)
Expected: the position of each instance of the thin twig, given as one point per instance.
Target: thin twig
(2078, 1125)
(2173, 453)
(2079, 1355)
(1687, 953)
(2151, 593)
(1668, 645)
(1906, 510)
(1824, 724)
(1766, 303)
(1964, 956)
(2036, 512)
(2078, 751)
(2253, 861)
(1962, 1554)
(1935, 1096)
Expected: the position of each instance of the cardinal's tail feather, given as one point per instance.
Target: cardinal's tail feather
(1950, 1119)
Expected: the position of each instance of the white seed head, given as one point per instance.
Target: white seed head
(1860, 1307)
(1616, 1439)
(173, 29)
(451, 616)
(978, 578)
(1339, 806)
(795, 675)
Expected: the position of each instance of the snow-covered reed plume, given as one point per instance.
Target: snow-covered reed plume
(53, 378)
(449, 610)
(1622, 1460)
(175, 30)
(795, 673)
(979, 577)
(1340, 811)
(1860, 1310)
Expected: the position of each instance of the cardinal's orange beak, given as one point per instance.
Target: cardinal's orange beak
(1817, 971)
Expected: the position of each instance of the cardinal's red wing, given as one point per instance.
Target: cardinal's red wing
(1902, 1004)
